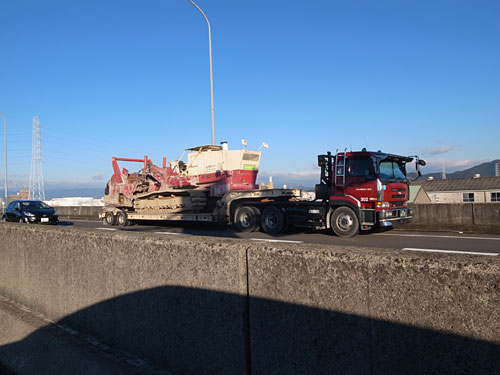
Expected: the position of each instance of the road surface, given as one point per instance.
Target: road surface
(452, 242)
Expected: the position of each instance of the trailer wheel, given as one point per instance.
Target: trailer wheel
(272, 220)
(122, 219)
(109, 218)
(247, 219)
(344, 222)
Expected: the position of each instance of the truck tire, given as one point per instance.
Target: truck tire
(344, 222)
(109, 218)
(122, 219)
(273, 220)
(247, 219)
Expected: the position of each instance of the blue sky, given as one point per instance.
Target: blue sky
(130, 78)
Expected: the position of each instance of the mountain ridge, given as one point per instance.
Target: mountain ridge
(486, 169)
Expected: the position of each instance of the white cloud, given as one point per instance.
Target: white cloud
(98, 176)
(440, 150)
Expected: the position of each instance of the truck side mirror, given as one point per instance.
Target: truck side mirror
(419, 162)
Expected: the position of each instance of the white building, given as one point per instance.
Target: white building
(463, 190)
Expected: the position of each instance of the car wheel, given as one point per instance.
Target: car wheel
(344, 222)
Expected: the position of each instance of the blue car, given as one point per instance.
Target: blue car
(30, 211)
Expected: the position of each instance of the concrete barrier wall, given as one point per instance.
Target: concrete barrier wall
(444, 214)
(373, 312)
(175, 303)
(480, 217)
(219, 306)
(84, 212)
(486, 215)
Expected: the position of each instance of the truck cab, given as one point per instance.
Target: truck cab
(364, 189)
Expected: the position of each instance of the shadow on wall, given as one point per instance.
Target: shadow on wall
(193, 331)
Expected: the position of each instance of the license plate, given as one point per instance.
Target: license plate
(45, 219)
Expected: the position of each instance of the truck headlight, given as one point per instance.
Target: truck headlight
(383, 204)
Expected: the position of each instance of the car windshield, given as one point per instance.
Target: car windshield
(35, 205)
(392, 170)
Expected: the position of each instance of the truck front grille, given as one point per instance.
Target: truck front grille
(397, 196)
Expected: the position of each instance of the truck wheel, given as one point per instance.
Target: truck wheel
(122, 219)
(273, 220)
(344, 222)
(247, 219)
(109, 219)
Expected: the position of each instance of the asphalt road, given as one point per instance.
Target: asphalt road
(476, 244)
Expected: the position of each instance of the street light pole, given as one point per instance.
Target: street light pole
(5, 148)
(211, 76)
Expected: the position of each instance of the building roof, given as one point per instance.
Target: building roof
(460, 184)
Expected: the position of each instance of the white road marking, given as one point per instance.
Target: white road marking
(266, 240)
(174, 233)
(107, 228)
(449, 251)
(437, 236)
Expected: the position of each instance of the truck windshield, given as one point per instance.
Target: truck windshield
(392, 170)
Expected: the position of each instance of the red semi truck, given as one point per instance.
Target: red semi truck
(358, 190)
